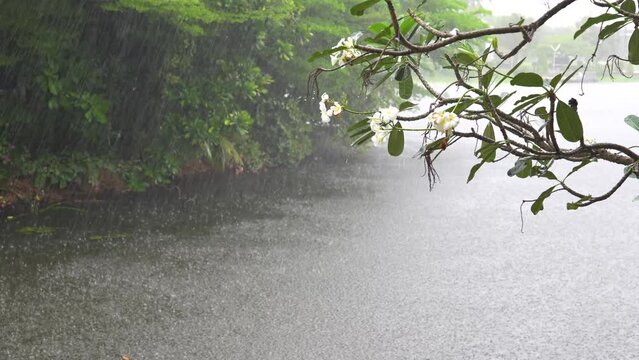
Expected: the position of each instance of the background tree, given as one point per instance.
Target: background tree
(126, 94)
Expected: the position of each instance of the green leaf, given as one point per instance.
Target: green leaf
(359, 9)
(610, 29)
(576, 205)
(384, 65)
(379, 28)
(526, 172)
(460, 106)
(429, 37)
(542, 112)
(595, 20)
(538, 205)
(548, 175)
(402, 73)
(632, 121)
(569, 122)
(464, 58)
(359, 128)
(631, 170)
(486, 78)
(53, 88)
(355, 134)
(358, 125)
(362, 139)
(495, 43)
(527, 98)
(473, 171)
(396, 140)
(528, 101)
(569, 77)
(380, 39)
(555, 80)
(406, 105)
(633, 48)
(521, 165)
(435, 145)
(487, 151)
(406, 86)
(495, 100)
(364, 59)
(484, 56)
(407, 25)
(320, 54)
(629, 6)
(527, 79)
(636, 199)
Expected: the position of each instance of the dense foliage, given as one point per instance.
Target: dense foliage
(130, 93)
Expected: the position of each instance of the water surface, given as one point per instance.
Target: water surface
(354, 260)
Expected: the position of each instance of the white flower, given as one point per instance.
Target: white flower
(377, 123)
(322, 106)
(389, 114)
(443, 121)
(349, 42)
(381, 124)
(335, 110)
(379, 138)
(384, 119)
(326, 118)
(377, 117)
(322, 103)
(342, 57)
(335, 58)
(376, 126)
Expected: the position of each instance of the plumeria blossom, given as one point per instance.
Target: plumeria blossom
(349, 53)
(382, 123)
(336, 109)
(326, 112)
(389, 114)
(444, 121)
(326, 118)
(379, 138)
